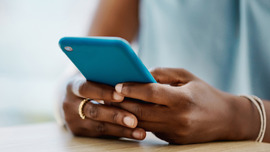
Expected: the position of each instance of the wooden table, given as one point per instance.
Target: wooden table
(49, 137)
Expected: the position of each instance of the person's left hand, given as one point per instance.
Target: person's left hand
(186, 109)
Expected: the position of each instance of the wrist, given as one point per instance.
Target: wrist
(245, 121)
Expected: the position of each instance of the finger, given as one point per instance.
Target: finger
(144, 112)
(151, 92)
(171, 75)
(109, 114)
(153, 126)
(98, 129)
(87, 89)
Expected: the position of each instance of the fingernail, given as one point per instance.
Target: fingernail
(137, 134)
(118, 87)
(117, 96)
(129, 121)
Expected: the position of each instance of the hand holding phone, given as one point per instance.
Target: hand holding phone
(107, 61)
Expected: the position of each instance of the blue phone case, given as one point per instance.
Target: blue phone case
(107, 60)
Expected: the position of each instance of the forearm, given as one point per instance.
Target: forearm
(116, 18)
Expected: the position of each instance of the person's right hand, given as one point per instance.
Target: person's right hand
(101, 120)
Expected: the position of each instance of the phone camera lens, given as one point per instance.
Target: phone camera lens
(68, 48)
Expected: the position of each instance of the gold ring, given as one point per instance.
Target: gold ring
(81, 107)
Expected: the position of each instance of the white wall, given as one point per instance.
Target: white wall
(31, 63)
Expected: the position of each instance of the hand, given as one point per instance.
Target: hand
(101, 120)
(188, 110)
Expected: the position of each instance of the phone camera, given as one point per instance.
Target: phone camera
(68, 48)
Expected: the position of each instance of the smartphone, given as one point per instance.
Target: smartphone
(107, 60)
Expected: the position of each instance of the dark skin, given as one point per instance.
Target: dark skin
(188, 110)
(112, 19)
(101, 120)
(184, 108)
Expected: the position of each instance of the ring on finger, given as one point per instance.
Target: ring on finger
(80, 109)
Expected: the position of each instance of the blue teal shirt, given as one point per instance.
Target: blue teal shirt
(224, 42)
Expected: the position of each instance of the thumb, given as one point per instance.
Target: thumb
(172, 75)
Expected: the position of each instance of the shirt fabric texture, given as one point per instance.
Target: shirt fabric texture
(226, 42)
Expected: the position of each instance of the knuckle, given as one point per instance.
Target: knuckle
(67, 109)
(101, 93)
(188, 99)
(138, 111)
(115, 117)
(66, 106)
(186, 123)
(126, 90)
(152, 92)
(183, 136)
(101, 128)
(93, 111)
(124, 132)
(68, 119)
(81, 87)
(189, 96)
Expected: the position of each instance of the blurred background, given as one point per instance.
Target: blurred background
(31, 63)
